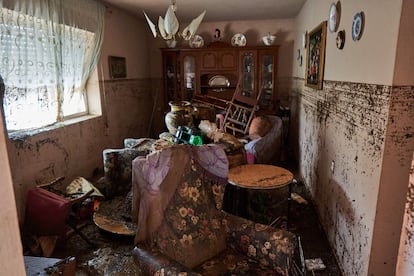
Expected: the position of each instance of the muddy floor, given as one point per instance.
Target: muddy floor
(111, 254)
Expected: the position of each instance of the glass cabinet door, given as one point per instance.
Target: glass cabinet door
(171, 69)
(189, 74)
(267, 66)
(248, 60)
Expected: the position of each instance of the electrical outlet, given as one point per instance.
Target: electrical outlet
(332, 166)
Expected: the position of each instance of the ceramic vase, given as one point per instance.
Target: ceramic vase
(181, 114)
(171, 43)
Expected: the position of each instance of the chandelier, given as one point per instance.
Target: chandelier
(168, 26)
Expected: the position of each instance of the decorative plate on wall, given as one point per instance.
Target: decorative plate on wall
(340, 39)
(357, 26)
(238, 40)
(333, 21)
(304, 35)
(196, 42)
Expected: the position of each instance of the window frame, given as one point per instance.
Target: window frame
(65, 119)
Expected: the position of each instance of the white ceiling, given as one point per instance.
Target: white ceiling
(217, 10)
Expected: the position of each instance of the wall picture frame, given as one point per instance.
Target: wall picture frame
(315, 56)
(117, 67)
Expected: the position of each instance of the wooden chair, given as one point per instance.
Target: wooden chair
(240, 112)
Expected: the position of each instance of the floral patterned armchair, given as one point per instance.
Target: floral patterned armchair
(181, 227)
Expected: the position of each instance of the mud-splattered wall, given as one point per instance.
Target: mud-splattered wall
(76, 150)
(406, 252)
(395, 167)
(343, 124)
(359, 124)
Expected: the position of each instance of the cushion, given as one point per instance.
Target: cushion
(46, 212)
(259, 127)
(192, 230)
(267, 149)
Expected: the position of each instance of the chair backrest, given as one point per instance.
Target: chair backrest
(46, 212)
(191, 230)
(240, 112)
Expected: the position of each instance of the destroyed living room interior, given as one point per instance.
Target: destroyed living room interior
(178, 137)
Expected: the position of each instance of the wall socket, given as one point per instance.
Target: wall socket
(332, 166)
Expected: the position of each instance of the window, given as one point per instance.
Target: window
(45, 63)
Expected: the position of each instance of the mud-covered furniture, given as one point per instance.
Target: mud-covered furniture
(52, 209)
(267, 148)
(117, 165)
(181, 226)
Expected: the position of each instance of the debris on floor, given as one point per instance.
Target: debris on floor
(114, 216)
(112, 253)
(38, 266)
(109, 261)
(298, 198)
(314, 264)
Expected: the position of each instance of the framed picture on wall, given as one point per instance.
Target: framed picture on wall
(315, 56)
(117, 67)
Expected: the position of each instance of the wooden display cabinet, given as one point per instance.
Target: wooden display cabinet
(187, 73)
(171, 77)
(258, 75)
(267, 72)
(189, 61)
(219, 60)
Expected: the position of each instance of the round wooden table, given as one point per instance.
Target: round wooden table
(257, 177)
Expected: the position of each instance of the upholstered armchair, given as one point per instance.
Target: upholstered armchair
(177, 203)
(117, 165)
(267, 148)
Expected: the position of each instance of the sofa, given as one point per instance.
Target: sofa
(181, 228)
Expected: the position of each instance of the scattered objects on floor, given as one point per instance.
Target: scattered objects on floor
(298, 198)
(40, 266)
(314, 264)
(112, 254)
(114, 216)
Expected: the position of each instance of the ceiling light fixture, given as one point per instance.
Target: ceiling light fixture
(168, 26)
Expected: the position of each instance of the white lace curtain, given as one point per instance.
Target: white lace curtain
(48, 50)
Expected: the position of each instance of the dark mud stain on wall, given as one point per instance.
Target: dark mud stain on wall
(358, 107)
(48, 173)
(357, 117)
(409, 209)
(400, 129)
(55, 143)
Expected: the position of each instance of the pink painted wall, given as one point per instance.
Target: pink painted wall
(11, 252)
(403, 76)
(125, 36)
(405, 265)
(369, 60)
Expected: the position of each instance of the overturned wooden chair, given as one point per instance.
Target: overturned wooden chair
(240, 112)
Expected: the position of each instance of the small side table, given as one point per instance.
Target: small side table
(260, 177)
